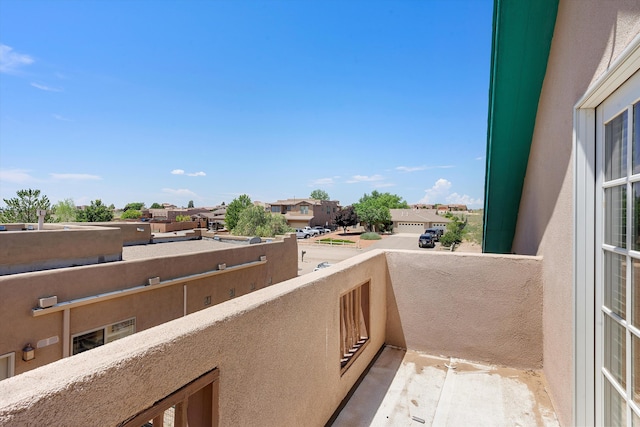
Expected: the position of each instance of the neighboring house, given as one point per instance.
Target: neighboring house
(457, 208)
(302, 212)
(173, 213)
(70, 289)
(421, 206)
(416, 220)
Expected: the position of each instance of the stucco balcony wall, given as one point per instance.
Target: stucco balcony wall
(277, 349)
(481, 307)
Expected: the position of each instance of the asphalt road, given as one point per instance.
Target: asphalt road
(315, 253)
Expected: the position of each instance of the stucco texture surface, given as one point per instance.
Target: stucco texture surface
(479, 307)
(588, 36)
(277, 351)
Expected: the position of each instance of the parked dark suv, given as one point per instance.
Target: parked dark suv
(426, 241)
(436, 232)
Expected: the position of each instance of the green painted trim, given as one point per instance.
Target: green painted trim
(522, 34)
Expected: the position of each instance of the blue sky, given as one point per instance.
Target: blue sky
(171, 101)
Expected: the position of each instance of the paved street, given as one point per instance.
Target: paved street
(315, 253)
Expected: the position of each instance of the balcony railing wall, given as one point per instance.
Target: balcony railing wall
(278, 349)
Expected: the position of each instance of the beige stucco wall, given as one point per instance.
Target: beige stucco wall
(277, 349)
(19, 293)
(588, 37)
(132, 233)
(479, 307)
(56, 247)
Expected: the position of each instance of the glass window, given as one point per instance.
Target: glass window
(615, 356)
(635, 369)
(615, 280)
(107, 334)
(7, 362)
(275, 209)
(87, 341)
(636, 138)
(635, 294)
(616, 147)
(304, 210)
(615, 412)
(615, 226)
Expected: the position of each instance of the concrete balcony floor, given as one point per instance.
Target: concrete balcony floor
(407, 388)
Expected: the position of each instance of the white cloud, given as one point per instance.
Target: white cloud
(439, 190)
(182, 172)
(324, 181)
(421, 168)
(457, 199)
(44, 87)
(383, 185)
(410, 168)
(364, 178)
(10, 60)
(16, 175)
(75, 176)
(480, 158)
(62, 118)
(439, 193)
(179, 192)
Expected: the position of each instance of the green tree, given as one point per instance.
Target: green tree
(255, 221)
(156, 205)
(136, 206)
(96, 212)
(183, 218)
(374, 210)
(345, 217)
(455, 231)
(319, 195)
(65, 211)
(24, 208)
(131, 214)
(234, 209)
(190, 205)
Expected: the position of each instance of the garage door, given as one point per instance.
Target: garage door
(411, 227)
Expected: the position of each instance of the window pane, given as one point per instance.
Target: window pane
(615, 349)
(120, 330)
(616, 147)
(635, 369)
(615, 226)
(636, 138)
(635, 294)
(4, 367)
(635, 223)
(615, 409)
(88, 341)
(615, 279)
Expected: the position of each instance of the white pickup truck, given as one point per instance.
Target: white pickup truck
(312, 231)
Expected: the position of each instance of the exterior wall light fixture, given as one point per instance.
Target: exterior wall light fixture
(28, 353)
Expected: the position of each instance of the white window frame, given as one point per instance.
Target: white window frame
(11, 371)
(584, 168)
(104, 331)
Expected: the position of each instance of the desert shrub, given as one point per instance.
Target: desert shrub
(370, 236)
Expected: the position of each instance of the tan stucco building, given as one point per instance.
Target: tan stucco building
(416, 220)
(68, 288)
(300, 213)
